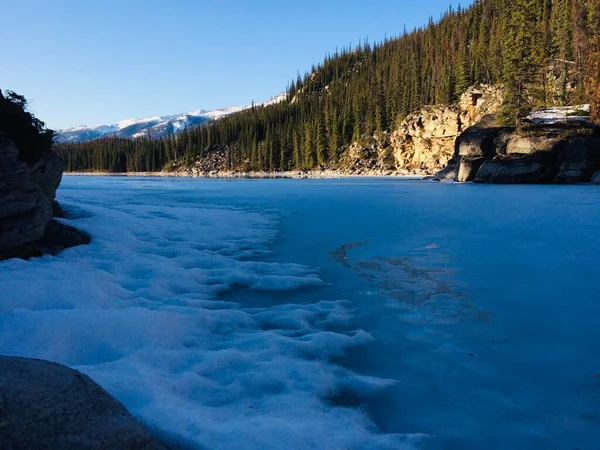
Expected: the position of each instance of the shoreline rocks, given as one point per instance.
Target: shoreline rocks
(536, 153)
(24, 209)
(28, 204)
(48, 405)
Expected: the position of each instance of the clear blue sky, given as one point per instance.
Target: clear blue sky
(93, 62)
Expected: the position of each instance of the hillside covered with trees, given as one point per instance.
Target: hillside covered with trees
(545, 52)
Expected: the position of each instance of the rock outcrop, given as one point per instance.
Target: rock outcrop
(24, 209)
(47, 172)
(535, 153)
(515, 170)
(27, 205)
(45, 405)
(425, 141)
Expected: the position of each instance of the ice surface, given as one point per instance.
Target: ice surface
(336, 314)
(141, 310)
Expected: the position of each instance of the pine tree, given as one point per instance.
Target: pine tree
(309, 154)
(321, 145)
(524, 57)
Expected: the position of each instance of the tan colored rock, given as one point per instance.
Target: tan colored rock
(425, 140)
(467, 169)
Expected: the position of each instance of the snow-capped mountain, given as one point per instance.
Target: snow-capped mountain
(154, 127)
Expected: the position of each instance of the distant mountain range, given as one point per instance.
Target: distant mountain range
(154, 127)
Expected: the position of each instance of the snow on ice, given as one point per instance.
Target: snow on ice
(141, 311)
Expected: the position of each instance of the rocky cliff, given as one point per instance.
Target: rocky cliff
(27, 205)
(565, 152)
(423, 143)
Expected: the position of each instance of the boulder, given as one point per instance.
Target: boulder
(596, 178)
(516, 170)
(467, 169)
(47, 172)
(45, 405)
(59, 236)
(447, 173)
(24, 209)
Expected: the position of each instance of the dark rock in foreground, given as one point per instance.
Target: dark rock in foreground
(24, 209)
(59, 236)
(57, 210)
(45, 405)
(27, 205)
(47, 172)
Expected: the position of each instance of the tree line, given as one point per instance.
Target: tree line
(545, 52)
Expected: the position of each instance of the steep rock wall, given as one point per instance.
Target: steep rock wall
(24, 209)
(423, 143)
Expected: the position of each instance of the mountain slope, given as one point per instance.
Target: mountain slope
(153, 127)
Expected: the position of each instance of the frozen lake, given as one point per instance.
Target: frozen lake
(327, 314)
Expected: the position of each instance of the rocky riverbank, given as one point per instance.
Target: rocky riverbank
(562, 152)
(28, 205)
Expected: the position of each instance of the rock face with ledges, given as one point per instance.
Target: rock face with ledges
(511, 170)
(24, 209)
(535, 153)
(578, 159)
(426, 140)
(45, 405)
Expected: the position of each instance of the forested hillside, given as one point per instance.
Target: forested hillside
(545, 52)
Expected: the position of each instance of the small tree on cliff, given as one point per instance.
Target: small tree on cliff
(29, 134)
